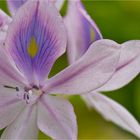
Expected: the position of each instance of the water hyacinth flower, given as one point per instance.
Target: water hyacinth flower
(35, 38)
(127, 69)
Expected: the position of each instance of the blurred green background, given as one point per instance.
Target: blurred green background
(119, 21)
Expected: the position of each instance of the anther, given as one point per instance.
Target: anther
(35, 87)
(27, 97)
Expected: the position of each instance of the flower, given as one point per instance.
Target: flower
(127, 69)
(35, 38)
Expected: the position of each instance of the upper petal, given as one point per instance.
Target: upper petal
(90, 72)
(128, 67)
(36, 38)
(56, 118)
(14, 5)
(81, 30)
(112, 111)
(24, 127)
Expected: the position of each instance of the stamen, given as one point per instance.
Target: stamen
(28, 97)
(16, 88)
(35, 87)
(24, 96)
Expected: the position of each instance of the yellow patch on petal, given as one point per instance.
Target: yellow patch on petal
(32, 49)
(92, 34)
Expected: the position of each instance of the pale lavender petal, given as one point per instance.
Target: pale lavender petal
(112, 111)
(14, 5)
(4, 22)
(81, 29)
(88, 73)
(58, 4)
(24, 127)
(56, 118)
(9, 74)
(10, 106)
(2, 37)
(128, 66)
(4, 19)
(36, 38)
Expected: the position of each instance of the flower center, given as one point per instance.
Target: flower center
(31, 95)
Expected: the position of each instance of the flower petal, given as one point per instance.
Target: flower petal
(58, 4)
(14, 5)
(9, 74)
(128, 66)
(10, 106)
(82, 30)
(4, 21)
(36, 38)
(24, 127)
(90, 72)
(56, 118)
(112, 111)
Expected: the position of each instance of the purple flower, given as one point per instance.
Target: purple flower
(83, 31)
(35, 38)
